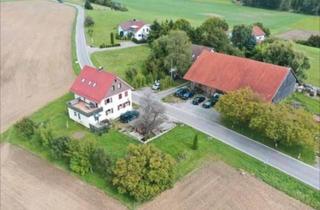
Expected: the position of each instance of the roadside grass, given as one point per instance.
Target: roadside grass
(313, 53)
(171, 99)
(118, 61)
(311, 105)
(177, 142)
(196, 11)
(75, 65)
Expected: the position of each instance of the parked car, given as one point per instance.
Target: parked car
(198, 100)
(188, 94)
(180, 92)
(156, 85)
(209, 103)
(129, 116)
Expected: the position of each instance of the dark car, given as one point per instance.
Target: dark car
(198, 100)
(129, 116)
(188, 94)
(180, 92)
(209, 103)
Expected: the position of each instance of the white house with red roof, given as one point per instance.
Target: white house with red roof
(99, 96)
(135, 29)
(258, 34)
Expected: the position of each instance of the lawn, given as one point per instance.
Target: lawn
(196, 11)
(177, 143)
(118, 61)
(310, 104)
(313, 74)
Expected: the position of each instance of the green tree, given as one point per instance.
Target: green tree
(238, 107)
(59, 147)
(26, 127)
(101, 162)
(112, 38)
(183, 25)
(45, 134)
(282, 53)
(87, 5)
(88, 21)
(195, 144)
(79, 153)
(144, 173)
(242, 37)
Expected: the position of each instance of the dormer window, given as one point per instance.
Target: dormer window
(119, 85)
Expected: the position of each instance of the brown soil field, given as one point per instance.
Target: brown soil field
(28, 182)
(35, 56)
(297, 34)
(218, 186)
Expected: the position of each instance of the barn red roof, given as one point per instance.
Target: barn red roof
(93, 83)
(227, 73)
(257, 31)
(132, 24)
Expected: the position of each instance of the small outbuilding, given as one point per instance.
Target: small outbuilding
(217, 72)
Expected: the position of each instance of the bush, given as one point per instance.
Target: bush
(130, 74)
(195, 143)
(79, 156)
(144, 173)
(26, 127)
(88, 21)
(166, 82)
(59, 147)
(313, 41)
(112, 38)
(87, 5)
(101, 162)
(103, 45)
(45, 135)
(139, 81)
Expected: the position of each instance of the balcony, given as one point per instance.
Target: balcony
(83, 107)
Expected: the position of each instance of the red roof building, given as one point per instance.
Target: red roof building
(132, 25)
(221, 72)
(257, 31)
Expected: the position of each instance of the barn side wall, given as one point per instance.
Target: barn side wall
(286, 88)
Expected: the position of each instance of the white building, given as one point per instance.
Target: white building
(134, 29)
(258, 34)
(99, 97)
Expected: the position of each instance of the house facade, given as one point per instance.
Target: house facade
(216, 72)
(258, 34)
(99, 96)
(134, 29)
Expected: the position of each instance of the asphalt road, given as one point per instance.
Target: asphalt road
(293, 167)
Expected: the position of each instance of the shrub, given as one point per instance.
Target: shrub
(195, 142)
(139, 81)
(112, 38)
(45, 134)
(142, 41)
(26, 127)
(130, 73)
(101, 162)
(87, 5)
(144, 173)
(59, 147)
(166, 82)
(79, 156)
(88, 21)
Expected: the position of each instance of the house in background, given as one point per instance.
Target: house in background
(99, 96)
(217, 72)
(258, 34)
(134, 29)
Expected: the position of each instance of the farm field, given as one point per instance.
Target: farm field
(177, 143)
(32, 59)
(196, 11)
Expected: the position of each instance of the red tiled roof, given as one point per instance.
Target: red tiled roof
(93, 84)
(132, 24)
(228, 73)
(257, 31)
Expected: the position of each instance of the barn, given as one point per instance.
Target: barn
(217, 72)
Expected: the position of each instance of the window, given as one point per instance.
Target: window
(120, 96)
(119, 85)
(119, 106)
(126, 94)
(113, 88)
(108, 100)
(79, 116)
(75, 114)
(96, 117)
(109, 111)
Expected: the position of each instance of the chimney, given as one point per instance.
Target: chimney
(100, 68)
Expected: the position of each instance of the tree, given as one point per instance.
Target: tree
(26, 127)
(144, 173)
(314, 41)
(155, 31)
(195, 142)
(214, 23)
(79, 153)
(45, 134)
(59, 147)
(168, 52)
(101, 162)
(151, 118)
(87, 5)
(282, 53)
(112, 38)
(88, 21)
(238, 107)
(183, 25)
(242, 37)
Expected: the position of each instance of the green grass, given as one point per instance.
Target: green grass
(312, 105)
(196, 11)
(118, 61)
(313, 74)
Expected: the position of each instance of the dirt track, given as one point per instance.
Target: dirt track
(218, 186)
(28, 182)
(35, 56)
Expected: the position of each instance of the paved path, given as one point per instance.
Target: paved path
(295, 168)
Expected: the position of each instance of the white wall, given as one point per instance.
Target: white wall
(260, 38)
(84, 120)
(142, 32)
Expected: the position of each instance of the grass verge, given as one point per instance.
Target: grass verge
(311, 105)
